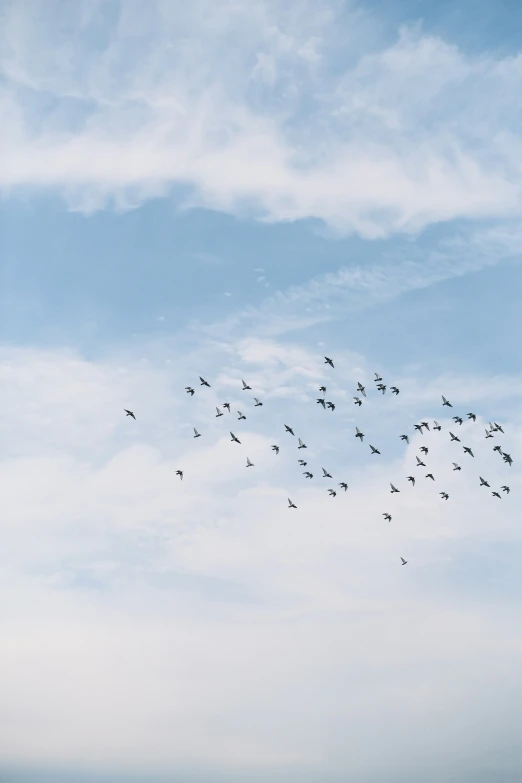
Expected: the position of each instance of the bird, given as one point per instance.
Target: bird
(505, 488)
(180, 474)
(394, 389)
(276, 449)
(496, 495)
(405, 437)
(456, 467)
(431, 476)
(412, 479)
(468, 451)
(507, 458)
(328, 361)
(444, 495)
(483, 482)
(344, 485)
(472, 416)
(322, 389)
(377, 377)
(189, 390)
(330, 405)
(359, 434)
(374, 450)
(436, 426)
(258, 403)
(234, 439)
(387, 517)
(289, 429)
(420, 463)
(302, 462)
(357, 401)
(361, 388)
(454, 437)
(218, 412)
(418, 427)
(403, 561)
(326, 474)
(424, 449)
(332, 492)
(321, 402)
(381, 387)
(489, 434)
(393, 489)
(425, 424)
(301, 444)
(241, 416)
(446, 402)
(308, 474)
(498, 448)
(204, 382)
(246, 386)
(196, 433)
(290, 504)
(130, 413)
(250, 464)
(457, 419)
(227, 406)
(498, 428)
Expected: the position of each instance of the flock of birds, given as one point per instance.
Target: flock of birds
(361, 391)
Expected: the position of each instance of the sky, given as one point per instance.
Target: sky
(235, 190)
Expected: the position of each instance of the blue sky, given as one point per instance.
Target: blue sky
(234, 190)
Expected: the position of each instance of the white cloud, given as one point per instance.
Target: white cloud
(391, 141)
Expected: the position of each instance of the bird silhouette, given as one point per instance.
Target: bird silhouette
(246, 386)
(498, 448)
(472, 416)
(301, 444)
(496, 495)
(321, 402)
(276, 449)
(387, 517)
(344, 485)
(357, 401)
(290, 504)
(374, 450)
(308, 474)
(393, 489)
(301, 462)
(330, 405)
(446, 402)
(361, 388)
(405, 437)
(454, 437)
(189, 390)
(381, 387)
(412, 479)
(431, 476)
(359, 434)
(456, 467)
(328, 361)
(498, 428)
(326, 474)
(377, 377)
(332, 492)
(489, 434)
(250, 464)
(227, 406)
(394, 389)
(483, 482)
(218, 412)
(204, 382)
(506, 489)
(507, 458)
(129, 413)
(240, 416)
(424, 449)
(403, 561)
(444, 495)
(418, 427)
(420, 463)
(180, 474)
(289, 429)
(234, 439)
(457, 419)
(258, 403)
(196, 433)
(322, 389)
(468, 451)
(436, 426)
(426, 425)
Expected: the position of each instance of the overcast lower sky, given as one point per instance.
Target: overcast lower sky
(233, 189)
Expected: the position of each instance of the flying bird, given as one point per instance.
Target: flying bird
(357, 401)
(424, 449)
(506, 489)
(381, 387)
(418, 427)
(308, 474)
(344, 485)
(328, 361)
(444, 495)
(496, 495)
(250, 464)
(258, 403)
(301, 462)
(332, 492)
(405, 437)
(377, 377)
(403, 561)
(374, 450)
(301, 444)
(431, 476)
(498, 428)
(454, 437)
(457, 419)
(321, 402)
(326, 474)
(456, 467)
(393, 489)
(412, 479)
(359, 434)
(290, 504)
(234, 439)
(394, 389)
(420, 463)
(489, 434)
(241, 416)
(425, 424)
(218, 412)
(330, 405)
(227, 406)
(436, 426)
(276, 449)
(468, 451)
(361, 388)
(498, 448)
(129, 413)
(507, 458)
(196, 433)
(180, 474)
(246, 386)
(204, 382)
(387, 517)
(446, 402)
(483, 482)
(322, 389)
(289, 429)
(189, 390)
(472, 416)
